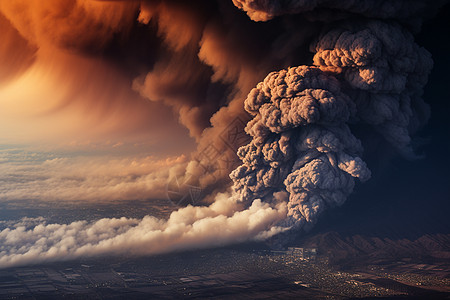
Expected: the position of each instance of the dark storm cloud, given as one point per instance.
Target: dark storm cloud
(213, 56)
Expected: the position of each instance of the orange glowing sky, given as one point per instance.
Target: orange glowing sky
(55, 94)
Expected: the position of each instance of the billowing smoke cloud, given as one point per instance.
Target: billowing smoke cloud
(69, 24)
(207, 71)
(15, 55)
(189, 227)
(384, 71)
(395, 9)
(58, 85)
(368, 72)
(301, 142)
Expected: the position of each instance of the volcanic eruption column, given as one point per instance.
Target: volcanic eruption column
(365, 72)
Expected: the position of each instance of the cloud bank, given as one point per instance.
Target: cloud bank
(187, 228)
(75, 178)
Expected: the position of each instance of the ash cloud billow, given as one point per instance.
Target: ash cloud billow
(386, 9)
(299, 76)
(301, 143)
(365, 71)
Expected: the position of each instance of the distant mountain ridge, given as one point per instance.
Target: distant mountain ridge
(339, 247)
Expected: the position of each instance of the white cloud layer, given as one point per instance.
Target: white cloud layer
(64, 177)
(221, 223)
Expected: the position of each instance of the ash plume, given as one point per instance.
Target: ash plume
(300, 143)
(365, 72)
(384, 72)
(385, 9)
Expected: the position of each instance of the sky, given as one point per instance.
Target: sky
(104, 101)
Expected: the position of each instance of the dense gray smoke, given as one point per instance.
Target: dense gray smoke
(263, 10)
(301, 143)
(384, 71)
(365, 71)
